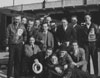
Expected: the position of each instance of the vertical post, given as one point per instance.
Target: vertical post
(13, 2)
(85, 2)
(21, 7)
(62, 3)
(44, 1)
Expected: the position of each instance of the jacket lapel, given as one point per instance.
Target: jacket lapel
(30, 48)
(86, 30)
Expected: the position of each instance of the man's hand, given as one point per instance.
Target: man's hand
(73, 63)
(36, 60)
(78, 65)
(7, 48)
(58, 70)
(59, 43)
(65, 66)
(23, 42)
(42, 41)
(67, 43)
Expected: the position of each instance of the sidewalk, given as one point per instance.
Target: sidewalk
(4, 57)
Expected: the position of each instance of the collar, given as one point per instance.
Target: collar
(76, 52)
(32, 45)
(74, 25)
(65, 27)
(88, 25)
(45, 32)
(16, 25)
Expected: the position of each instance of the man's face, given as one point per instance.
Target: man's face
(49, 52)
(17, 19)
(64, 22)
(54, 59)
(37, 22)
(30, 24)
(48, 19)
(74, 20)
(24, 20)
(62, 53)
(53, 25)
(32, 40)
(41, 19)
(45, 27)
(87, 18)
(75, 45)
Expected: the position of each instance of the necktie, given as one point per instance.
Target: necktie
(32, 48)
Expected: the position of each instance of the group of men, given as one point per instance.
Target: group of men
(29, 39)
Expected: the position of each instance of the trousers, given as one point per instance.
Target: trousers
(91, 50)
(15, 58)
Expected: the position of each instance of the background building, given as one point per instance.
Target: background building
(57, 9)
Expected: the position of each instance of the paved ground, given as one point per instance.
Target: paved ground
(3, 62)
(3, 74)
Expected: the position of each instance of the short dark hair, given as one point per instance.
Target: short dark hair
(75, 41)
(87, 15)
(31, 37)
(17, 16)
(45, 23)
(64, 19)
(63, 47)
(49, 48)
(74, 16)
(24, 17)
(52, 22)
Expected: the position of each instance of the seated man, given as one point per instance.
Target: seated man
(70, 68)
(53, 67)
(61, 67)
(78, 56)
(43, 57)
(59, 64)
(30, 50)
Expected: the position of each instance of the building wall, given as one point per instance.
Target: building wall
(4, 21)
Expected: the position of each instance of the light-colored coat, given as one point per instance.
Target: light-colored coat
(29, 51)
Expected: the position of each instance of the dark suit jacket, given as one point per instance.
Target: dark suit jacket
(54, 32)
(77, 29)
(49, 42)
(29, 33)
(85, 32)
(12, 36)
(66, 35)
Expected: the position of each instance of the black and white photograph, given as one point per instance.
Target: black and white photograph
(49, 38)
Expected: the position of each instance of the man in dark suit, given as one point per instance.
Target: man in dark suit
(65, 33)
(29, 29)
(45, 38)
(24, 21)
(89, 38)
(77, 28)
(54, 32)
